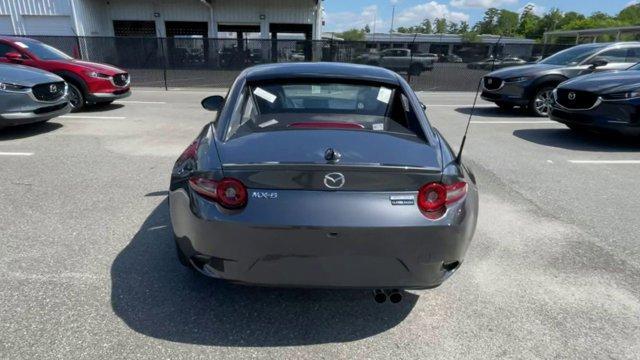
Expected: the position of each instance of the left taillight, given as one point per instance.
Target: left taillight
(434, 197)
(230, 193)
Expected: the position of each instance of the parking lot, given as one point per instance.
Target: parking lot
(88, 267)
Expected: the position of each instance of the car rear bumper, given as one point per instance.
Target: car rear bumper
(98, 97)
(36, 115)
(376, 255)
(610, 116)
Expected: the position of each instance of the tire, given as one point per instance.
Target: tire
(415, 69)
(76, 98)
(505, 106)
(540, 104)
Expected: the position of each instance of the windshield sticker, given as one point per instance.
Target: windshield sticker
(21, 44)
(378, 127)
(265, 95)
(315, 89)
(384, 95)
(268, 123)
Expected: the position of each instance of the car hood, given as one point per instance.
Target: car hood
(524, 70)
(26, 76)
(309, 146)
(607, 82)
(91, 66)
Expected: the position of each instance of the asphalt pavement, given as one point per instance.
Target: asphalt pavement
(88, 268)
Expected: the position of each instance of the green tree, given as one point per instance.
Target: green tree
(630, 15)
(426, 27)
(470, 37)
(506, 23)
(488, 23)
(453, 28)
(367, 29)
(352, 35)
(441, 26)
(463, 28)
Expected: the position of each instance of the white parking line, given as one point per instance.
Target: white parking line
(140, 102)
(514, 122)
(15, 154)
(637, 162)
(93, 117)
(460, 105)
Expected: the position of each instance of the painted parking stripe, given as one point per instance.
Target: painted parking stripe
(93, 117)
(514, 122)
(460, 105)
(16, 153)
(140, 102)
(635, 162)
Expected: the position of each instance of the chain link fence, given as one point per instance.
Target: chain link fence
(214, 63)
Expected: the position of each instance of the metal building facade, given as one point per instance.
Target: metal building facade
(96, 17)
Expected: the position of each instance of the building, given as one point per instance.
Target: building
(162, 18)
(626, 33)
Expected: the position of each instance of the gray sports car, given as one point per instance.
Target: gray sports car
(29, 95)
(322, 175)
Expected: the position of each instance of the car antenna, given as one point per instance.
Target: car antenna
(475, 100)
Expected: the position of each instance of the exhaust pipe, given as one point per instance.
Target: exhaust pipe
(395, 296)
(379, 296)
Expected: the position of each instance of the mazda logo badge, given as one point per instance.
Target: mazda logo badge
(572, 96)
(53, 88)
(334, 180)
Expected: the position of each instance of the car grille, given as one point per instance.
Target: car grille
(492, 83)
(574, 99)
(121, 79)
(491, 96)
(49, 91)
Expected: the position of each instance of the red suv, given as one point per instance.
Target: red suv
(89, 83)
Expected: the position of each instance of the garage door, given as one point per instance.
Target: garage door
(48, 25)
(5, 25)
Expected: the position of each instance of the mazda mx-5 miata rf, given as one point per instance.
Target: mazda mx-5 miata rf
(322, 175)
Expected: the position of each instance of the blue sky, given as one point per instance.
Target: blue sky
(345, 14)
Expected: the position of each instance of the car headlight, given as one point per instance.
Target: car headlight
(517, 79)
(622, 95)
(13, 87)
(95, 74)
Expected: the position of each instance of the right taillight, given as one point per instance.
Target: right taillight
(228, 192)
(434, 197)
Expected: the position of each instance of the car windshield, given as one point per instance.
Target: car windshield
(266, 107)
(43, 51)
(635, 67)
(572, 56)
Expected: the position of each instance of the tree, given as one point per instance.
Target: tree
(441, 26)
(507, 23)
(352, 35)
(426, 27)
(367, 29)
(470, 37)
(463, 28)
(453, 28)
(488, 23)
(529, 23)
(630, 15)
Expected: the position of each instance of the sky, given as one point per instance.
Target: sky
(342, 15)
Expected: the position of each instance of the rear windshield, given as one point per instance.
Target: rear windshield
(280, 106)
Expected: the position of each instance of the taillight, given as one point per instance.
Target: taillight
(228, 192)
(434, 197)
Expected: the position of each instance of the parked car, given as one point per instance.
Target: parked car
(491, 63)
(603, 101)
(399, 60)
(452, 58)
(531, 85)
(372, 196)
(297, 56)
(89, 82)
(29, 95)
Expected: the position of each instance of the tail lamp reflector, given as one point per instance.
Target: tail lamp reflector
(228, 192)
(434, 197)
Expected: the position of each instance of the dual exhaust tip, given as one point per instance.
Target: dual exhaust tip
(394, 295)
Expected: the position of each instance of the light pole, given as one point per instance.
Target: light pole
(393, 14)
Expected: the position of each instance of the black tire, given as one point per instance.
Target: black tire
(76, 98)
(540, 104)
(182, 258)
(505, 106)
(415, 69)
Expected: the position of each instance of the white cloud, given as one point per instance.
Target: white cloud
(429, 10)
(393, 2)
(632, 2)
(484, 4)
(341, 21)
(537, 9)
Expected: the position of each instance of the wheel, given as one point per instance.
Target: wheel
(540, 105)
(76, 98)
(415, 69)
(505, 106)
(184, 260)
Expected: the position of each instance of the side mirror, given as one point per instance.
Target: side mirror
(597, 62)
(213, 103)
(14, 56)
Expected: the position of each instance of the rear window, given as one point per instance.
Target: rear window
(268, 107)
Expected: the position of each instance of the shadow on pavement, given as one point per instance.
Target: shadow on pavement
(93, 108)
(495, 112)
(28, 130)
(580, 141)
(154, 295)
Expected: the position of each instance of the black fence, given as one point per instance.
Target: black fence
(197, 62)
